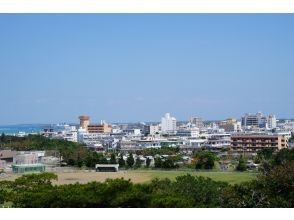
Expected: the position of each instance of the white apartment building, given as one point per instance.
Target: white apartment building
(218, 141)
(154, 129)
(62, 131)
(272, 122)
(193, 132)
(168, 124)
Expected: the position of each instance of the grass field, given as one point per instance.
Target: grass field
(141, 176)
(230, 177)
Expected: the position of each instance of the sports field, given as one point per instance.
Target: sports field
(141, 176)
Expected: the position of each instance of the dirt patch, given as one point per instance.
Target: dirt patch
(85, 177)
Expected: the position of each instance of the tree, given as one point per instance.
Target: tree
(148, 162)
(284, 156)
(121, 161)
(113, 159)
(130, 161)
(241, 165)
(92, 159)
(103, 160)
(3, 138)
(265, 154)
(168, 163)
(205, 159)
(80, 163)
(273, 189)
(205, 192)
(138, 163)
(157, 162)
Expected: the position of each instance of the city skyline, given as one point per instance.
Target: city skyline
(132, 68)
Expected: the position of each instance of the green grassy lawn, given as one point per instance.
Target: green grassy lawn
(230, 177)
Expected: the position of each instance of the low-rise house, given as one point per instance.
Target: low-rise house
(27, 162)
(7, 155)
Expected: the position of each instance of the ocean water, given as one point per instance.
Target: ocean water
(27, 128)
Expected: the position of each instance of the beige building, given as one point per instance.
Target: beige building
(254, 142)
(230, 125)
(100, 128)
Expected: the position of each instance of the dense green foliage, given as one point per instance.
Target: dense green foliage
(241, 165)
(274, 188)
(205, 159)
(113, 159)
(148, 162)
(138, 163)
(159, 151)
(35, 142)
(130, 161)
(167, 163)
(121, 161)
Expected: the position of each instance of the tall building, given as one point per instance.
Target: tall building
(168, 124)
(257, 120)
(272, 121)
(84, 121)
(197, 122)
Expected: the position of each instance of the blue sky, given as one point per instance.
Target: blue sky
(136, 67)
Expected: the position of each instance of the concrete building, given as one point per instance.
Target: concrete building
(218, 141)
(28, 162)
(131, 144)
(191, 132)
(26, 158)
(272, 122)
(253, 142)
(197, 122)
(61, 131)
(7, 155)
(95, 140)
(132, 132)
(257, 120)
(230, 125)
(168, 124)
(100, 128)
(191, 145)
(151, 129)
(84, 121)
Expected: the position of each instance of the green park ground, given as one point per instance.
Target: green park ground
(230, 177)
(144, 176)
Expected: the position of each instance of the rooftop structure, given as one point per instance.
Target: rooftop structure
(84, 121)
